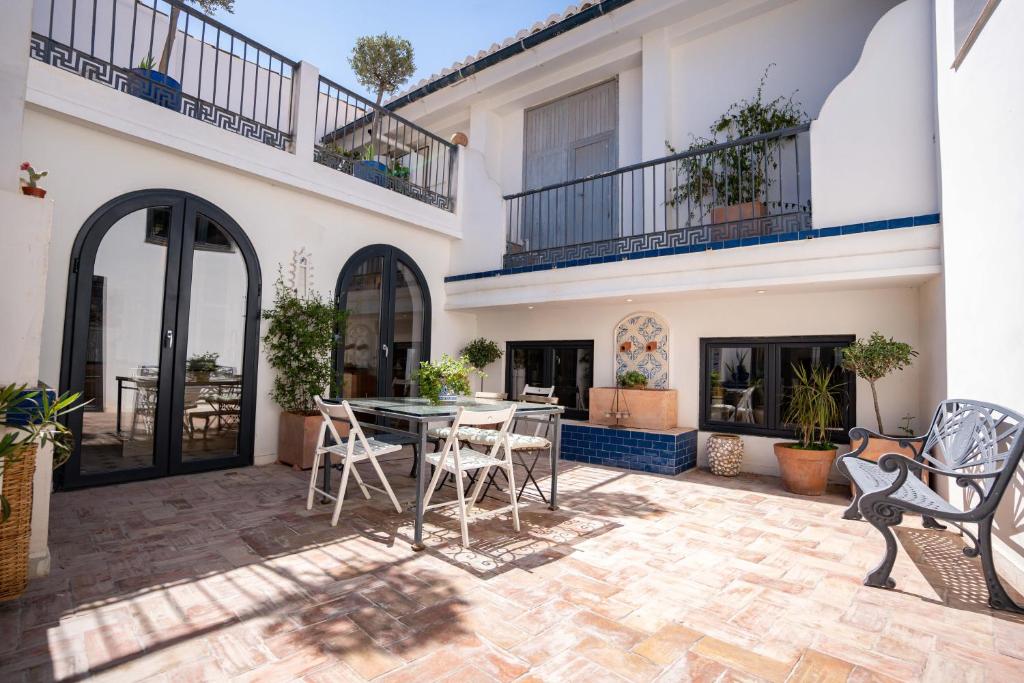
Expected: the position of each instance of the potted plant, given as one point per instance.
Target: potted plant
(29, 184)
(632, 379)
(382, 63)
(202, 365)
(443, 381)
(814, 409)
(717, 390)
(738, 373)
(873, 359)
(299, 343)
(151, 80)
(28, 419)
(735, 180)
(481, 352)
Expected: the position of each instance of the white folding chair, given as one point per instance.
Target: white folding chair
(458, 460)
(538, 391)
(355, 449)
(744, 408)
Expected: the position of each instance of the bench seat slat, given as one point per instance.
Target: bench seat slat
(869, 477)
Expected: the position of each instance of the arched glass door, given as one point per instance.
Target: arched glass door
(161, 337)
(388, 331)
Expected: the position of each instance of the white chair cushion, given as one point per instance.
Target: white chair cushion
(468, 460)
(488, 437)
(376, 448)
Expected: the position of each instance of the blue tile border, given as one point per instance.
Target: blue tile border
(630, 449)
(815, 233)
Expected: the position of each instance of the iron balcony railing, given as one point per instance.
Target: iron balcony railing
(172, 55)
(756, 186)
(355, 136)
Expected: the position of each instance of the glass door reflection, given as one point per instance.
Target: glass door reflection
(362, 335)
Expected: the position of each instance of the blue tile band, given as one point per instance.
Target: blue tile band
(630, 449)
(815, 233)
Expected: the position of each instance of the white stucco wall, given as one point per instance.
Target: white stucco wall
(979, 112)
(893, 311)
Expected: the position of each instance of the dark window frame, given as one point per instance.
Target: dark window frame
(548, 369)
(772, 388)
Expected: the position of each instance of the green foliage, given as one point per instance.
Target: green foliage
(382, 63)
(40, 424)
(907, 424)
(481, 352)
(737, 174)
(632, 380)
(299, 343)
(875, 358)
(208, 7)
(451, 373)
(814, 405)
(203, 362)
(147, 63)
(34, 176)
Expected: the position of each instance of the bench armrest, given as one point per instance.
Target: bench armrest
(864, 434)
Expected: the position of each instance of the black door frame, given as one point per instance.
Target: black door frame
(548, 368)
(177, 293)
(391, 256)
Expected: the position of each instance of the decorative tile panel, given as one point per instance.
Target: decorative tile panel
(631, 449)
(633, 336)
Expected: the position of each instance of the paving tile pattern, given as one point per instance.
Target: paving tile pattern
(638, 577)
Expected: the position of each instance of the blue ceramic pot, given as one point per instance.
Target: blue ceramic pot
(447, 395)
(372, 171)
(156, 87)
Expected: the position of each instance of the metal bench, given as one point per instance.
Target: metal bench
(976, 445)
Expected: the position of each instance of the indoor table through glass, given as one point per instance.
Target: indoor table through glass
(420, 414)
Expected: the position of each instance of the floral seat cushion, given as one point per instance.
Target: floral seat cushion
(487, 437)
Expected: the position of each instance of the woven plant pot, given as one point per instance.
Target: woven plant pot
(725, 454)
(14, 533)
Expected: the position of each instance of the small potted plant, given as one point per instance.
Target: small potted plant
(202, 365)
(481, 352)
(814, 409)
(300, 343)
(443, 381)
(633, 379)
(30, 183)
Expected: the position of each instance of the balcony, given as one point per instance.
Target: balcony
(753, 190)
(173, 56)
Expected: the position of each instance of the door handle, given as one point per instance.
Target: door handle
(169, 339)
(385, 348)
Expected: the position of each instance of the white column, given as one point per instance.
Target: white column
(15, 32)
(656, 98)
(305, 98)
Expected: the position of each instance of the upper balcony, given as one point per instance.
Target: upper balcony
(171, 55)
(754, 190)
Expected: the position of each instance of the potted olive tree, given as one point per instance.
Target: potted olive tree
(299, 343)
(382, 63)
(814, 409)
(481, 352)
(873, 359)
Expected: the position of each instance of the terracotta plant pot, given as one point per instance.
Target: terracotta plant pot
(876, 448)
(33, 191)
(804, 471)
(296, 438)
(738, 212)
(647, 408)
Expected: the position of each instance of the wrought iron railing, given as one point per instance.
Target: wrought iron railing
(758, 186)
(355, 136)
(172, 55)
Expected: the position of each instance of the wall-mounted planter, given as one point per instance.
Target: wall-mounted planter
(648, 408)
(33, 191)
(155, 87)
(738, 212)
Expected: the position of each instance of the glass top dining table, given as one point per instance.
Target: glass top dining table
(420, 414)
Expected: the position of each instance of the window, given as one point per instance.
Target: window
(745, 382)
(566, 365)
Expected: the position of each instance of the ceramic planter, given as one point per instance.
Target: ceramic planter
(648, 408)
(725, 454)
(447, 395)
(804, 471)
(738, 212)
(296, 438)
(371, 171)
(155, 87)
(33, 191)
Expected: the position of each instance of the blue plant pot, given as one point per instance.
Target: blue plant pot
(447, 395)
(371, 171)
(25, 406)
(158, 88)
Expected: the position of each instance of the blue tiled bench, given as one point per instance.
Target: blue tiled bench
(660, 452)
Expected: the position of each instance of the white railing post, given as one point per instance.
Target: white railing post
(15, 33)
(305, 98)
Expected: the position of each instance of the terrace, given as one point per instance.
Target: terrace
(636, 577)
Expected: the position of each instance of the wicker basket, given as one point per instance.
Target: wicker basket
(14, 533)
(725, 454)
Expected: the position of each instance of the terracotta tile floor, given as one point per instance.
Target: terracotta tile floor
(637, 577)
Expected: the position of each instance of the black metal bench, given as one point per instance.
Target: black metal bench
(976, 445)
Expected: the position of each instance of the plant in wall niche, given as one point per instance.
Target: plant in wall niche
(481, 352)
(632, 379)
(382, 63)
(30, 183)
(445, 379)
(299, 343)
(813, 408)
(874, 358)
(738, 175)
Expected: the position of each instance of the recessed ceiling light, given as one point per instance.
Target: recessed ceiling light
(629, 301)
(530, 307)
(761, 291)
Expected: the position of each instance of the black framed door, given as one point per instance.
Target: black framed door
(178, 339)
(568, 366)
(388, 331)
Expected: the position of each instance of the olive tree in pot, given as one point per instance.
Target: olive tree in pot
(382, 63)
(481, 352)
(814, 409)
(873, 359)
(299, 343)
